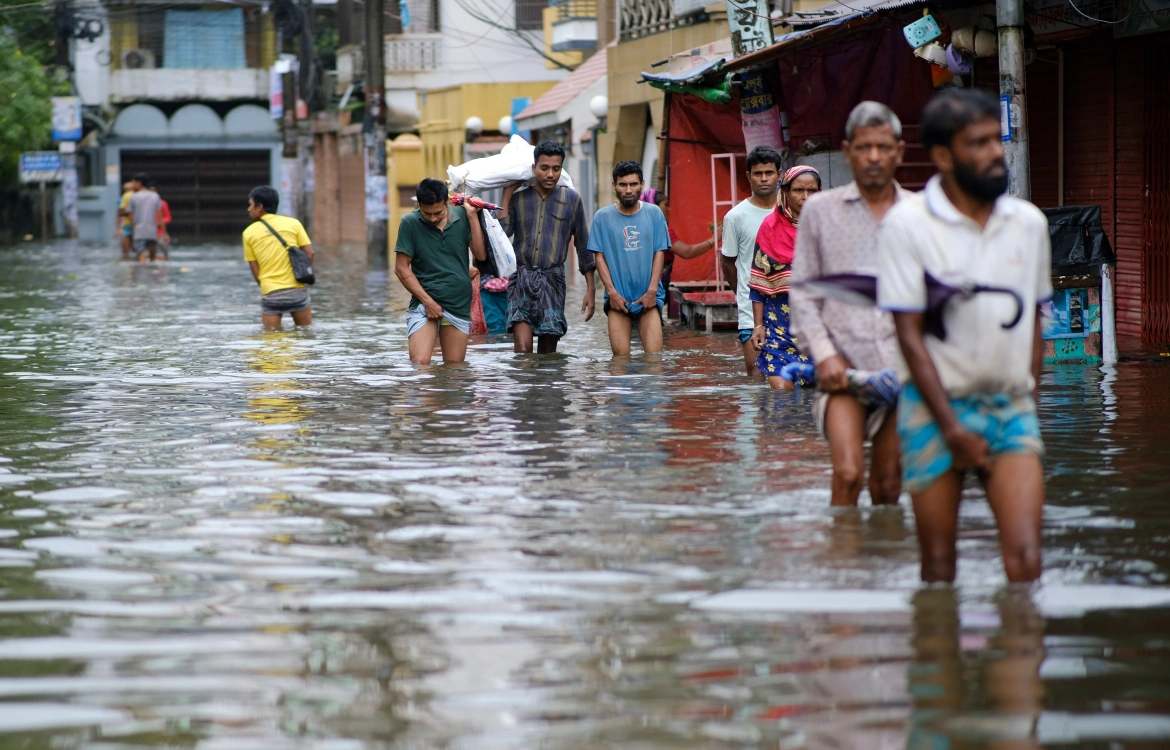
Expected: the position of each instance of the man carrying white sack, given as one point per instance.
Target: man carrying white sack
(543, 220)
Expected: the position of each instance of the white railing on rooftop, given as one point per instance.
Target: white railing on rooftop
(409, 53)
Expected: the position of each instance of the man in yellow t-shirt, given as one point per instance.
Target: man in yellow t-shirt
(280, 292)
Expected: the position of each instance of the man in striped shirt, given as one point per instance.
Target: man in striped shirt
(542, 221)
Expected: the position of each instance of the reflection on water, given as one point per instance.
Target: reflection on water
(218, 537)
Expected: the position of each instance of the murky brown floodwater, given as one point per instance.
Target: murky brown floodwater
(217, 537)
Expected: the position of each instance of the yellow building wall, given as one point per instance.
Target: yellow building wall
(444, 111)
(267, 41)
(404, 168)
(630, 100)
(123, 32)
(572, 58)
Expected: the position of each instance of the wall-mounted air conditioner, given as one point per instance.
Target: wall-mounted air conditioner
(137, 59)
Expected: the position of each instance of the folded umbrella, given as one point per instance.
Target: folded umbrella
(859, 289)
(458, 199)
(880, 387)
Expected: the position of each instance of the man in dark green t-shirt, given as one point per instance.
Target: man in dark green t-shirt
(431, 262)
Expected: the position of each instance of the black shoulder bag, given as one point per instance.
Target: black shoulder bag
(301, 265)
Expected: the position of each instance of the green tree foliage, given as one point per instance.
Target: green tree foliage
(25, 110)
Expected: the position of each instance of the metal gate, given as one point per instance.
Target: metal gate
(1156, 199)
(207, 191)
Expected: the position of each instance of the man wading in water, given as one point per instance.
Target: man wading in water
(740, 226)
(838, 235)
(542, 221)
(431, 261)
(968, 403)
(630, 239)
(280, 292)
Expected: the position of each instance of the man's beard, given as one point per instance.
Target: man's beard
(628, 203)
(980, 187)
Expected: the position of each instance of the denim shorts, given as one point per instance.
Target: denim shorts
(1008, 423)
(285, 301)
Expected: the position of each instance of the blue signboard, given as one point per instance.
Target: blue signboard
(518, 106)
(40, 166)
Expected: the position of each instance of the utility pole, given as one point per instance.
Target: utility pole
(1009, 15)
(374, 130)
(290, 165)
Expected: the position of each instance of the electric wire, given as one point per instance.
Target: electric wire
(1132, 9)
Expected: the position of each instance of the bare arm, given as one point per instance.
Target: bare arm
(505, 214)
(758, 333)
(616, 301)
(729, 274)
(309, 252)
(650, 298)
(406, 275)
(685, 250)
(478, 250)
(968, 450)
(255, 270)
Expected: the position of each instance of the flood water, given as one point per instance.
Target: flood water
(216, 537)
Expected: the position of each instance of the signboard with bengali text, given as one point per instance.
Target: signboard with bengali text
(40, 166)
(750, 25)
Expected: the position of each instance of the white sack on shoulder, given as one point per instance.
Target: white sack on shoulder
(512, 164)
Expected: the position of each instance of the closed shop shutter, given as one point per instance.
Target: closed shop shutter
(1043, 98)
(1130, 133)
(207, 190)
(1155, 203)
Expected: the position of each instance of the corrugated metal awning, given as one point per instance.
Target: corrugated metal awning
(834, 19)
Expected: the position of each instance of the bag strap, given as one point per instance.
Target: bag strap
(275, 234)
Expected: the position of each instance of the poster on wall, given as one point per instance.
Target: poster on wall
(66, 118)
(759, 112)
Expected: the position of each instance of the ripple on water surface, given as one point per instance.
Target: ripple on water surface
(218, 537)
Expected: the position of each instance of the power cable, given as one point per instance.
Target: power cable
(1132, 9)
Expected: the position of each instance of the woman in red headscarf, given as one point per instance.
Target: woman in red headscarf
(771, 270)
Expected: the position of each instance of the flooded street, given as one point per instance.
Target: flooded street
(216, 537)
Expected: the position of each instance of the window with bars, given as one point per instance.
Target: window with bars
(424, 17)
(528, 14)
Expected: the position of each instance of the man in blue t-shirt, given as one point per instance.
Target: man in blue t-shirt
(629, 239)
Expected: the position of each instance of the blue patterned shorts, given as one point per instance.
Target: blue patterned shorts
(1008, 423)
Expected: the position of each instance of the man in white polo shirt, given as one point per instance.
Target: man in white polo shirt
(969, 398)
(740, 226)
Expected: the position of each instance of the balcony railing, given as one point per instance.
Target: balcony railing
(175, 84)
(412, 53)
(575, 25)
(574, 9)
(644, 17)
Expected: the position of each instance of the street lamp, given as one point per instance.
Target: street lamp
(505, 125)
(473, 127)
(599, 107)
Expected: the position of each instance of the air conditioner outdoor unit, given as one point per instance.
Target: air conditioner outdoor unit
(137, 59)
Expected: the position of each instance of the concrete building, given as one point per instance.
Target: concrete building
(181, 94)
(448, 43)
(563, 115)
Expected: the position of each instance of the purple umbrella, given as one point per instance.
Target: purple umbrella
(859, 289)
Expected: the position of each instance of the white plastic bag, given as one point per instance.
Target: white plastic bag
(501, 246)
(513, 164)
